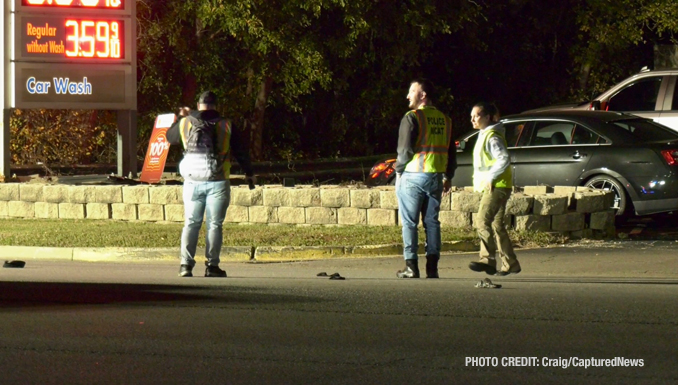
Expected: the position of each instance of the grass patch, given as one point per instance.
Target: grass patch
(536, 239)
(107, 233)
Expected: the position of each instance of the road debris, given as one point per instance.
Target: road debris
(333, 276)
(14, 264)
(487, 284)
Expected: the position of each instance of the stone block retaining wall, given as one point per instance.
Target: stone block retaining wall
(575, 211)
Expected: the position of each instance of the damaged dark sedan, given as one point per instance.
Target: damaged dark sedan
(634, 157)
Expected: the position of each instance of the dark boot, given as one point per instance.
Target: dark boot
(214, 271)
(488, 265)
(508, 266)
(432, 266)
(411, 269)
(186, 271)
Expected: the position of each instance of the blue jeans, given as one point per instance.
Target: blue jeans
(420, 193)
(210, 199)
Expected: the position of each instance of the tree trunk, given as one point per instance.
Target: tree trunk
(190, 86)
(189, 92)
(256, 120)
(584, 75)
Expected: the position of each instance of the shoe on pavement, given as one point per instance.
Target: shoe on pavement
(411, 269)
(480, 267)
(407, 273)
(432, 266)
(513, 270)
(214, 271)
(186, 271)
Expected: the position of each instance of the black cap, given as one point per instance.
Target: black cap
(208, 97)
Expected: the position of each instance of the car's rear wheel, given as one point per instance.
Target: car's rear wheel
(608, 183)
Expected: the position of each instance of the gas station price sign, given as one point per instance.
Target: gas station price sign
(73, 54)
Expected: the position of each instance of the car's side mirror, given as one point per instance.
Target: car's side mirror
(595, 105)
(461, 145)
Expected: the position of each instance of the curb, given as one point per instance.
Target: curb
(228, 253)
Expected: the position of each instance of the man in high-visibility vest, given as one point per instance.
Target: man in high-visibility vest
(424, 169)
(492, 176)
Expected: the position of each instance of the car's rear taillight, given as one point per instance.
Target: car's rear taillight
(379, 167)
(385, 167)
(670, 156)
(376, 170)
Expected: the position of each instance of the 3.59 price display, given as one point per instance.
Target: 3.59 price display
(72, 38)
(89, 38)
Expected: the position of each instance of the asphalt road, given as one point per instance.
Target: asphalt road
(649, 227)
(108, 323)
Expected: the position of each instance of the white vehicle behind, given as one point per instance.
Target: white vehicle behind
(650, 94)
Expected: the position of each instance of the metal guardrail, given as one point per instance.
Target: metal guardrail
(319, 171)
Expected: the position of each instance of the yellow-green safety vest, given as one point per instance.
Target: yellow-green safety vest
(483, 161)
(435, 134)
(225, 125)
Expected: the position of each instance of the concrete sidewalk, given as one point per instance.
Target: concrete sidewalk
(586, 259)
(228, 253)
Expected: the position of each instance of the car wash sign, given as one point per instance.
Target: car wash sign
(73, 54)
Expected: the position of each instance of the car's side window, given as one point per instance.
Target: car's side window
(514, 136)
(638, 96)
(552, 133)
(470, 142)
(581, 135)
(514, 132)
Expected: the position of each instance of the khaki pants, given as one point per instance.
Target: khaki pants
(494, 239)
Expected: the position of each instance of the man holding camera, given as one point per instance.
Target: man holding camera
(208, 140)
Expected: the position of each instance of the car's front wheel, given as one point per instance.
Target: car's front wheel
(608, 183)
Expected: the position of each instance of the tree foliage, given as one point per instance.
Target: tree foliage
(62, 137)
(616, 38)
(322, 78)
(313, 66)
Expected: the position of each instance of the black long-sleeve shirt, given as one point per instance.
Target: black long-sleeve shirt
(407, 137)
(239, 147)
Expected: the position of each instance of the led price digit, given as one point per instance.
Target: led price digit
(115, 40)
(86, 38)
(73, 37)
(103, 35)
